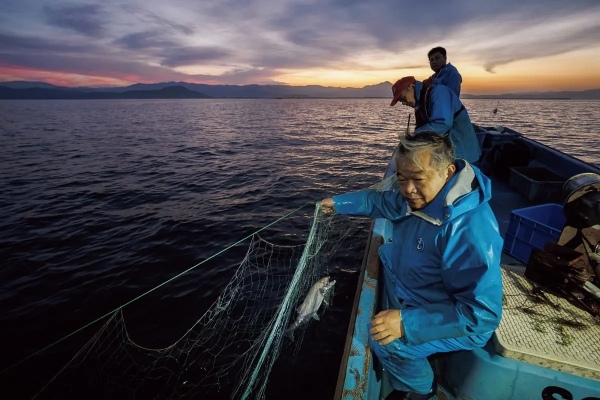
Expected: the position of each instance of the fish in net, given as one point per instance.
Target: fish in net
(230, 350)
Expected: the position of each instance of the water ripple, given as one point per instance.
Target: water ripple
(101, 201)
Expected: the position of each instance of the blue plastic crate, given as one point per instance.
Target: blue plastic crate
(530, 228)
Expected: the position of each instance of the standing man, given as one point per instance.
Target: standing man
(438, 109)
(441, 273)
(444, 73)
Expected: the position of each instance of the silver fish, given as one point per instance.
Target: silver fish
(311, 304)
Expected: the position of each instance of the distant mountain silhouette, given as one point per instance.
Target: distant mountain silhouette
(267, 91)
(40, 90)
(171, 90)
(28, 85)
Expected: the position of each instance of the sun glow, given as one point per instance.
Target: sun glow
(569, 71)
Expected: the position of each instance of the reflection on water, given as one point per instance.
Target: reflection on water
(103, 200)
(572, 126)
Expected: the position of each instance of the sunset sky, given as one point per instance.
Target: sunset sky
(498, 46)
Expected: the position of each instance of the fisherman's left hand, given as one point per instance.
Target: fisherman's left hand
(327, 205)
(387, 326)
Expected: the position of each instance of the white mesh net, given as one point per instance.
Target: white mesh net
(230, 351)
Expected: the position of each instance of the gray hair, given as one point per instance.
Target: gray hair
(441, 147)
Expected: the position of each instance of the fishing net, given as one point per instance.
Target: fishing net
(230, 351)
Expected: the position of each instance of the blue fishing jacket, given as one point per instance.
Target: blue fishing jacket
(448, 76)
(442, 269)
(446, 114)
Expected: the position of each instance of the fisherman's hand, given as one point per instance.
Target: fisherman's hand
(327, 205)
(387, 326)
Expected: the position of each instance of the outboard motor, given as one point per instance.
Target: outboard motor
(582, 227)
(582, 200)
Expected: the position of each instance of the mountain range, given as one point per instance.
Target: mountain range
(184, 90)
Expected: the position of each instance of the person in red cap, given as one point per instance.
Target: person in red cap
(438, 109)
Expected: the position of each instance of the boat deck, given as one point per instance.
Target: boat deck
(547, 331)
(540, 328)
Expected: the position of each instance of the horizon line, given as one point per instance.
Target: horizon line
(279, 84)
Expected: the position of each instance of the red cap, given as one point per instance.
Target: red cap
(399, 86)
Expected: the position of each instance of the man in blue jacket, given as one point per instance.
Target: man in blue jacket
(441, 273)
(444, 73)
(438, 109)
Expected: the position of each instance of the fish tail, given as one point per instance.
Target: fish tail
(289, 333)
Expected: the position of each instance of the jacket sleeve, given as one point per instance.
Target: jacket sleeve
(441, 111)
(450, 77)
(471, 276)
(453, 81)
(370, 203)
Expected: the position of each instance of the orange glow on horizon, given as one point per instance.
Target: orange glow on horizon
(526, 83)
(67, 79)
(523, 76)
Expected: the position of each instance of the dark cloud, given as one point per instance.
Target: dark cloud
(40, 45)
(155, 20)
(398, 25)
(145, 40)
(532, 49)
(170, 51)
(193, 55)
(256, 39)
(85, 19)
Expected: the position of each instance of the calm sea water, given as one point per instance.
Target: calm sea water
(101, 201)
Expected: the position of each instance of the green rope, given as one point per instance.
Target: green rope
(284, 306)
(149, 291)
